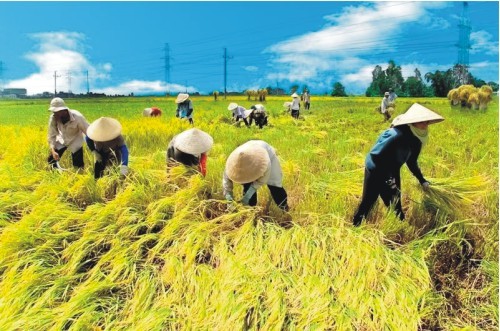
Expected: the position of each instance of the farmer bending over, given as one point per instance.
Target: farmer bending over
(254, 164)
(257, 113)
(239, 113)
(66, 130)
(108, 145)
(398, 145)
(190, 148)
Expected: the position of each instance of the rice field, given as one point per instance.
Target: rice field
(162, 251)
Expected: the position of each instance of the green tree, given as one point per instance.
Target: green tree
(441, 82)
(414, 86)
(294, 88)
(494, 86)
(383, 80)
(338, 90)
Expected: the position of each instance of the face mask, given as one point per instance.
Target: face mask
(421, 134)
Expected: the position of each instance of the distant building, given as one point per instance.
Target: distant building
(13, 93)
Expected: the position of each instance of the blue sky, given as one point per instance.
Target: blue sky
(122, 44)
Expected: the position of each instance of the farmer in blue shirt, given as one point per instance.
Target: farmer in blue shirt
(400, 144)
(184, 107)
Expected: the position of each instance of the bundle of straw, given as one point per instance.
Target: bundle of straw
(453, 196)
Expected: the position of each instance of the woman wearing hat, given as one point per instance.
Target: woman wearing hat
(400, 144)
(384, 107)
(239, 112)
(190, 148)
(184, 107)
(108, 145)
(66, 130)
(295, 106)
(254, 164)
(257, 113)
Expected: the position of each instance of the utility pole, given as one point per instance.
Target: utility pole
(225, 70)
(68, 76)
(88, 86)
(55, 83)
(464, 43)
(167, 65)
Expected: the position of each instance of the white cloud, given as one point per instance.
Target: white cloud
(251, 68)
(63, 53)
(145, 87)
(346, 38)
(481, 43)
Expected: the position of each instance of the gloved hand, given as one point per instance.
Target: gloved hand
(392, 183)
(123, 170)
(97, 156)
(426, 186)
(246, 198)
(229, 197)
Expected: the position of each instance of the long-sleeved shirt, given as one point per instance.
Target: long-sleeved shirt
(185, 109)
(393, 148)
(115, 147)
(295, 104)
(306, 97)
(69, 134)
(272, 176)
(239, 111)
(384, 105)
(392, 96)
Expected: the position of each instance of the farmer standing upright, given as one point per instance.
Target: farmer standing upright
(254, 164)
(384, 105)
(306, 98)
(66, 131)
(295, 106)
(184, 107)
(398, 145)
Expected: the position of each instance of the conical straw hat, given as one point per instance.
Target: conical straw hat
(181, 97)
(104, 129)
(147, 112)
(295, 95)
(417, 113)
(232, 106)
(247, 163)
(194, 141)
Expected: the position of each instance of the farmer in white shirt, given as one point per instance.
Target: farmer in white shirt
(306, 97)
(67, 128)
(384, 105)
(239, 112)
(295, 107)
(254, 164)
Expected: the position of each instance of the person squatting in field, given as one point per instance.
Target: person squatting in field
(190, 148)
(184, 107)
(239, 113)
(400, 144)
(384, 107)
(66, 130)
(107, 145)
(258, 114)
(295, 106)
(151, 112)
(254, 164)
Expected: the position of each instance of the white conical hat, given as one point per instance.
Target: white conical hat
(147, 112)
(295, 95)
(232, 106)
(181, 97)
(417, 113)
(104, 129)
(287, 104)
(247, 163)
(193, 141)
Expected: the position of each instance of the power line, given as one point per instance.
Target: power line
(226, 57)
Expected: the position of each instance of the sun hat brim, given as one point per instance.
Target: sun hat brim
(104, 129)
(416, 114)
(194, 141)
(232, 106)
(295, 95)
(247, 163)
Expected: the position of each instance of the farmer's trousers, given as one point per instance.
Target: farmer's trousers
(278, 193)
(373, 186)
(76, 157)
